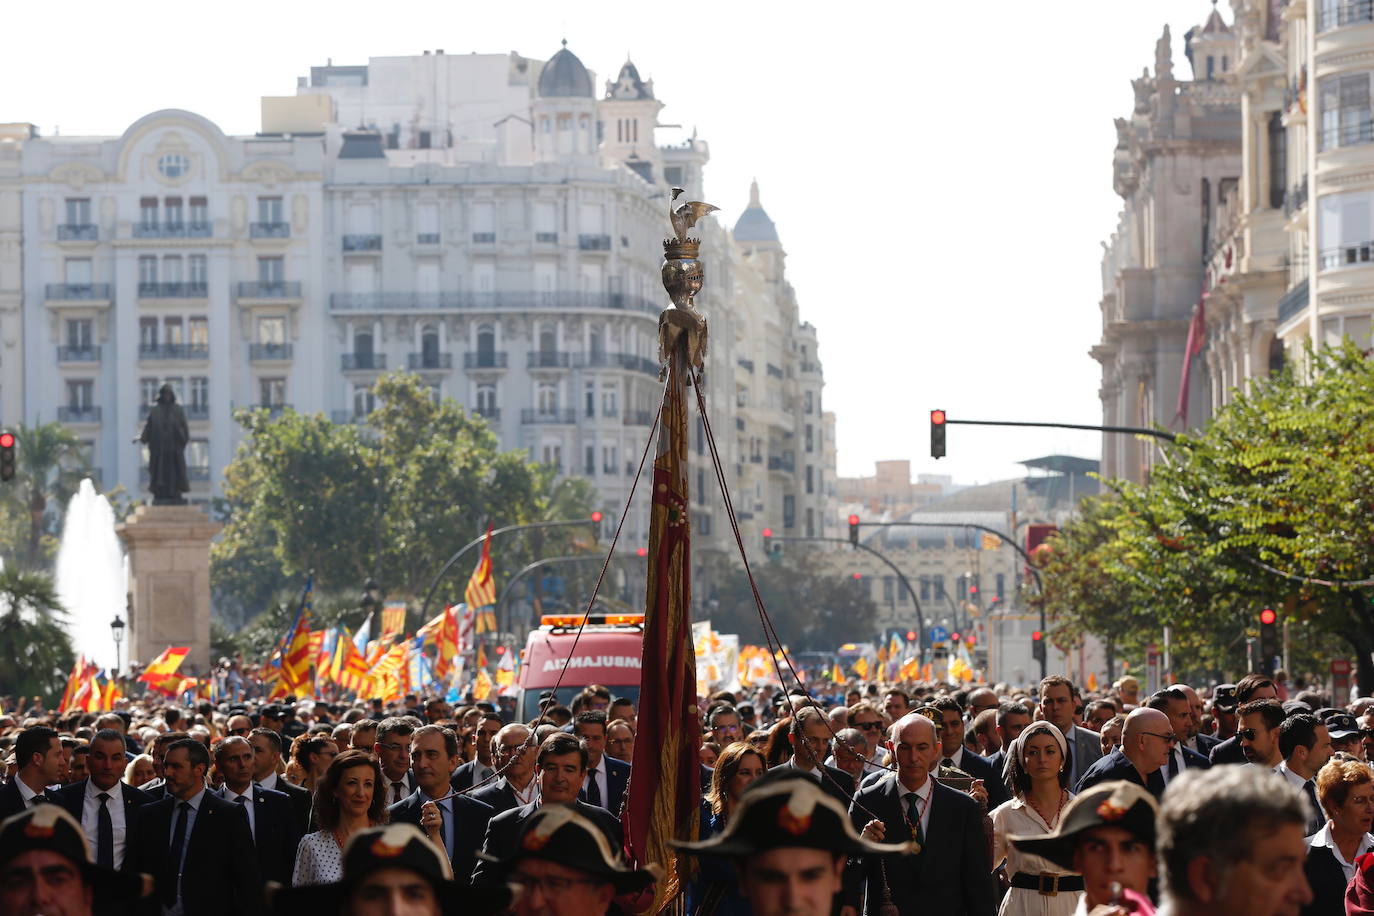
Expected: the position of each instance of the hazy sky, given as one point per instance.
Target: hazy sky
(940, 173)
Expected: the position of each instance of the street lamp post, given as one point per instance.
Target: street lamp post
(117, 632)
(370, 599)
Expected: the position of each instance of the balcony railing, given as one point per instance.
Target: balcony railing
(499, 301)
(194, 410)
(774, 371)
(429, 361)
(353, 362)
(484, 360)
(1295, 199)
(77, 291)
(271, 230)
(362, 243)
(76, 414)
(776, 463)
(1333, 15)
(173, 351)
(172, 230)
(756, 459)
(1351, 255)
(811, 367)
(1359, 133)
(565, 417)
(278, 289)
(78, 354)
(594, 242)
(269, 351)
(489, 413)
(427, 238)
(547, 359)
(484, 238)
(546, 238)
(77, 232)
(177, 290)
(615, 361)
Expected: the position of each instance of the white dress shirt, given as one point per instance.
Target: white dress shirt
(90, 817)
(27, 794)
(923, 794)
(1323, 838)
(956, 758)
(230, 796)
(407, 787)
(598, 773)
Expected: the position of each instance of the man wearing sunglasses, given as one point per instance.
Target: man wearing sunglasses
(1249, 688)
(1144, 751)
(1259, 733)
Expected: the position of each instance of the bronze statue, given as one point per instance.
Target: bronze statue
(683, 275)
(166, 435)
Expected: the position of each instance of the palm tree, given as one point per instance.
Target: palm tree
(51, 463)
(35, 646)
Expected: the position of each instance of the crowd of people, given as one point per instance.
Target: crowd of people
(914, 799)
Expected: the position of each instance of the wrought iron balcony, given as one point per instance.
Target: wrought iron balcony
(427, 238)
(172, 230)
(77, 291)
(484, 238)
(77, 232)
(482, 360)
(1293, 302)
(262, 352)
(178, 290)
(1333, 14)
(272, 230)
(353, 362)
(78, 414)
(627, 361)
(362, 243)
(1295, 199)
(562, 416)
(546, 238)
(811, 368)
(779, 463)
(499, 301)
(418, 361)
(173, 351)
(194, 410)
(1351, 255)
(594, 242)
(548, 359)
(279, 289)
(78, 354)
(489, 413)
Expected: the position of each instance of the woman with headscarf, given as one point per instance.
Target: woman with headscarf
(1037, 774)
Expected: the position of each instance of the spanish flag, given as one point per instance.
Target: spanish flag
(166, 663)
(481, 591)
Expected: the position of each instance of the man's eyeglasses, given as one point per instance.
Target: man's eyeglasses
(1168, 739)
(390, 746)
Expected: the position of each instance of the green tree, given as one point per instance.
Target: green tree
(50, 464)
(810, 610)
(36, 648)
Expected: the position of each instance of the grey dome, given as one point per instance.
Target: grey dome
(754, 224)
(565, 77)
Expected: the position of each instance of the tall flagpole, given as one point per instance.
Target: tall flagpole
(665, 791)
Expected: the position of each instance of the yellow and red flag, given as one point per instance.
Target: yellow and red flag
(480, 594)
(167, 662)
(481, 657)
(481, 686)
(505, 669)
(393, 620)
(665, 788)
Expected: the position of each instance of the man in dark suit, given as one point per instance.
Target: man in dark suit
(514, 757)
(1144, 750)
(38, 754)
(1305, 744)
(1174, 703)
(1196, 740)
(562, 764)
(1250, 687)
(952, 872)
(810, 738)
(955, 754)
(1057, 703)
(197, 845)
(266, 745)
(480, 768)
(606, 776)
(272, 821)
(455, 822)
(103, 806)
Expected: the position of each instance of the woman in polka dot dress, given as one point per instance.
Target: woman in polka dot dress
(346, 801)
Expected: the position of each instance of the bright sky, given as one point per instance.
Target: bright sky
(940, 173)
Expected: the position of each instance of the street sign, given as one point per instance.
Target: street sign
(939, 634)
(1340, 677)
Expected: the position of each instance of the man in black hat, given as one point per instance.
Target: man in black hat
(45, 868)
(789, 841)
(389, 870)
(1107, 835)
(563, 864)
(1345, 735)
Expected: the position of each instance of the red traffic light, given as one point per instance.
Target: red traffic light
(500, 650)
(1036, 636)
(954, 637)
(853, 520)
(6, 440)
(1267, 616)
(973, 589)
(858, 576)
(768, 532)
(937, 417)
(910, 635)
(596, 517)
(642, 552)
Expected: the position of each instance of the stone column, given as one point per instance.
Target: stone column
(169, 582)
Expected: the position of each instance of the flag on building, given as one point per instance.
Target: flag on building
(1197, 340)
(480, 594)
(990, 541)
(665, 785)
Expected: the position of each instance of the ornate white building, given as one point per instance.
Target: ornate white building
(486, 221)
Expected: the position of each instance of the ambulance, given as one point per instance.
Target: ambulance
(608, 653)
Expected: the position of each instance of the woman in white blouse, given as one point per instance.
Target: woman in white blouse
(346, 801)
(1037, 772)
(1345, 788)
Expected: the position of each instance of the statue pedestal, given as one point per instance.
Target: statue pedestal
(169, 582)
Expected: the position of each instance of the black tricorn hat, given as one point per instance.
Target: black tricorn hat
(790, 812)
(1109, 804)
(50, 827)
(560, 834)
(393, 846)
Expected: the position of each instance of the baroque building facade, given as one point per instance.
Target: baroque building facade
(489, 222)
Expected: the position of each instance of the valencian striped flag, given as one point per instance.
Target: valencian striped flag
(665, 782)
(299, 651)
(481, 590)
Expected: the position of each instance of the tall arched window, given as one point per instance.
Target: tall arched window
(429, 347)
(486, 345)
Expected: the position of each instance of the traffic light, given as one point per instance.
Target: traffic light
(858, 576)
(6, 455)
(954, 637)
(596, 526)
(1269, 640)
(937, 434)
(854, 530)
(910, 635)
(1038, 646)
(770, 550)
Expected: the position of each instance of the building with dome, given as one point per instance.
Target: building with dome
(487, 221)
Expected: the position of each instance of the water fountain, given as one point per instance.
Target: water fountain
(92, 577)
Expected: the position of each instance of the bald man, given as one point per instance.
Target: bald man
(1146, 742)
